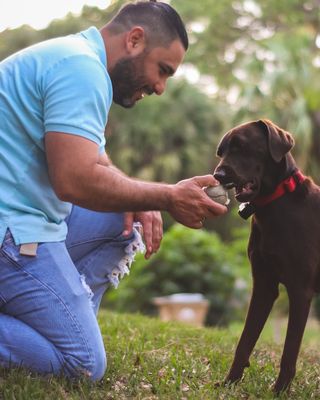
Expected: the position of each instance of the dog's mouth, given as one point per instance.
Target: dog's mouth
(245, 189)
(245, 192)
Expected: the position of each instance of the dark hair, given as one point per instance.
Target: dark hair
(160, 21)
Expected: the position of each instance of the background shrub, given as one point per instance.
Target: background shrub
(189, 261)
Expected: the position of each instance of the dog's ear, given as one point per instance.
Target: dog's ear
(280, 141)
(223, 144)
(219, 151)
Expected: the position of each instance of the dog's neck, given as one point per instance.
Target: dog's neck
(284, 178)
(277, 172)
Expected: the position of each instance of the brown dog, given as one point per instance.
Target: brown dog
(284, 245)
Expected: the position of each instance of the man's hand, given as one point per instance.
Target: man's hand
(152, 229)
(190, 205)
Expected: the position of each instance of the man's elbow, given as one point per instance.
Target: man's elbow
(66, 192)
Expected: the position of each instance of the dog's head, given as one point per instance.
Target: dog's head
(251, 155)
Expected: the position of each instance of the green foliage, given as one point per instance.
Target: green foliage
(189, 261)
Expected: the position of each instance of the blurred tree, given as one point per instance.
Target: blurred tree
(264, 59)
(167, 138)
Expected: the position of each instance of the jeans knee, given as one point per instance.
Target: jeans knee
(98, 367)
(88, 360)
(91, 366)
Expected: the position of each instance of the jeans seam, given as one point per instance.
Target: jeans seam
(102, 238)
(65, 307)
(3, 299)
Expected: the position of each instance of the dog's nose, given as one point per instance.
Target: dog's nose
(219, 174)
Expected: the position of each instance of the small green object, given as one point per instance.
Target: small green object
(218, 194)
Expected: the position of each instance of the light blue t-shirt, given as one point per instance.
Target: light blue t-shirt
(60, 85)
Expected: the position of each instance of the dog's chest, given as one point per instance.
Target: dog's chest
(275, 237)
(286, 244)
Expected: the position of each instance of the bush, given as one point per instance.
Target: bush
(189, 261)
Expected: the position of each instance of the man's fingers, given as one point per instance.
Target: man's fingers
(128, 223)
(157, 234)
(152, 228)
(147, 234)
(206, 180)
(215, 209)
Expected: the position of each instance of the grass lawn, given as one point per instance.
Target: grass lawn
(149, 359)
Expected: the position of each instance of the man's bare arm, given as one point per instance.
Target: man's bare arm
(105, 160)
(78, 177)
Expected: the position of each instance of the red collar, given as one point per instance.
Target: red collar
(286, 186)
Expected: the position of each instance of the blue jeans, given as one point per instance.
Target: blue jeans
(48, 303)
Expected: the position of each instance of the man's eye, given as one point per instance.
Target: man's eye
(162, 70)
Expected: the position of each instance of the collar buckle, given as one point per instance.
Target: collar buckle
(246, 210)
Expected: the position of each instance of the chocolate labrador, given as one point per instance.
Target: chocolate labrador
(284, 244)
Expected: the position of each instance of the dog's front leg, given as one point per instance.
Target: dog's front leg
(263, 297)
(299, 306)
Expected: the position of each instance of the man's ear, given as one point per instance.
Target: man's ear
(135, 41)
(280, 142)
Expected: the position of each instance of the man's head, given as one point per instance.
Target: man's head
(153, 41)
(161, 23)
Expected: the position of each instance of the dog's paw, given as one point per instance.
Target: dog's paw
(221, 384)
(227, 382)
(281, 387)
(283, 382)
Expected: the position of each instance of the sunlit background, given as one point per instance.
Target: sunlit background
(39, 14)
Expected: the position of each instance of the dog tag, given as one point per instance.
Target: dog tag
(29, 249)
(246, 210)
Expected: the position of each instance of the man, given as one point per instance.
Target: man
(66, 213)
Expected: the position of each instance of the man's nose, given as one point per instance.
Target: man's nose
(160, 87)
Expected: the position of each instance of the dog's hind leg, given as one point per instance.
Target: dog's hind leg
(263, 297)
(299, 306)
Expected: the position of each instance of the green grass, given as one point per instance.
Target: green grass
(149, 359)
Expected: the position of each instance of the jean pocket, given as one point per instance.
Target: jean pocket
(11, 252)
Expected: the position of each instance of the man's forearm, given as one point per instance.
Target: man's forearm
(106, 188)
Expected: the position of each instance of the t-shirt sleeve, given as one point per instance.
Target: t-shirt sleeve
(77, 98)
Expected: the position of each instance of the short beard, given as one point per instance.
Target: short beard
(127, 77)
